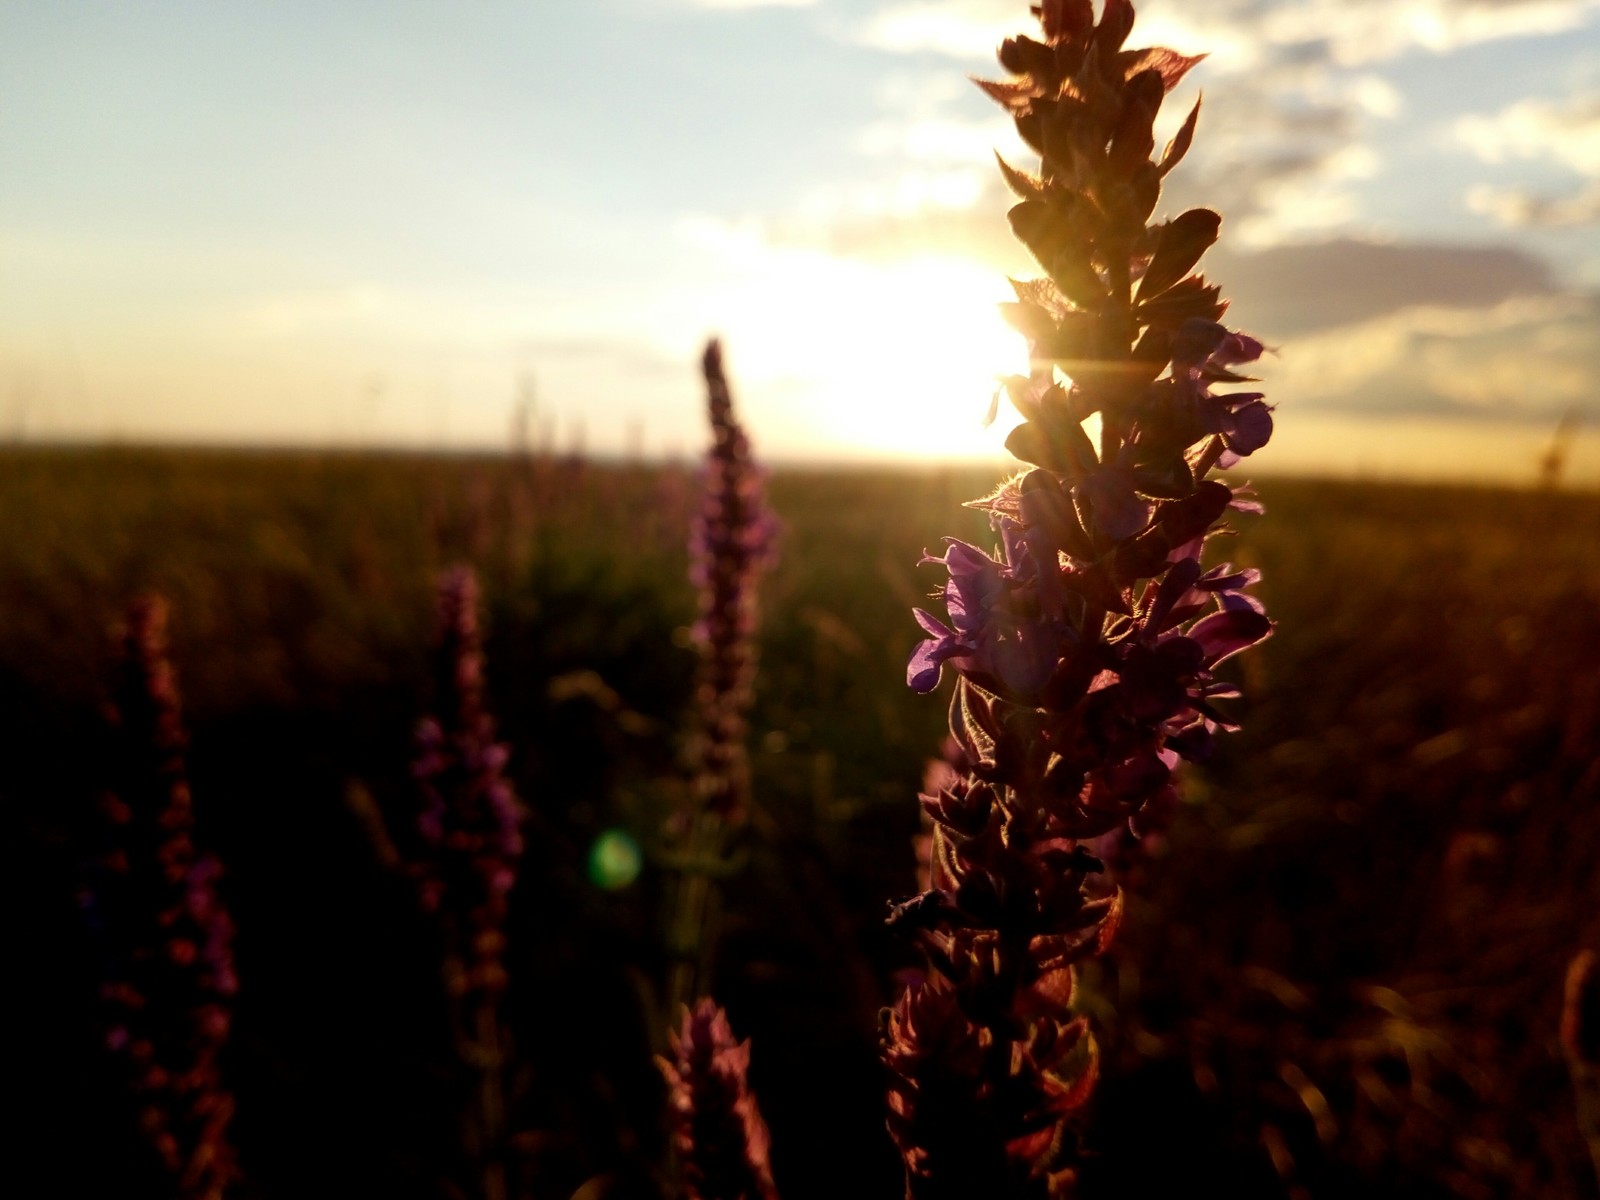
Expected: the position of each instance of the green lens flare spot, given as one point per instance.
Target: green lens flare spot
(614, 860)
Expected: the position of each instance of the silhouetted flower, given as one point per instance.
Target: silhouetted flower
(717, 1130)
(1084, 649)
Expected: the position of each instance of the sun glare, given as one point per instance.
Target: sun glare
(897, 360)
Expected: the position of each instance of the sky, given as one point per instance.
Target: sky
(397, 223)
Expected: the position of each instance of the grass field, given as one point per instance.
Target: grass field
(1341, 970)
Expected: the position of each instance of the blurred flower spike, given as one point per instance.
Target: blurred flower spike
(168, 980)
(731, 543)
(717, 1131)
(1084, 648)
(470, 827)
(469, 820)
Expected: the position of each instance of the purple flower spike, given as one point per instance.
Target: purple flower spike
(721, 1140)
(731, 544)
(470, 823)
(469, 818)
(1084, 647)
(168, 984)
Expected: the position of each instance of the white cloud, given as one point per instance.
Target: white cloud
(1566, 131)
(1246, 34)
(1375, 96)
(1366, 31)
(1529, 357)
(1520, 208)
(1313, 202)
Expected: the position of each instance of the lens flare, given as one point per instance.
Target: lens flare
(614, 860)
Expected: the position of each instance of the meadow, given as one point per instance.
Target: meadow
(1341, 968)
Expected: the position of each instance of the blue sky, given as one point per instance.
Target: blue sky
(334, 223)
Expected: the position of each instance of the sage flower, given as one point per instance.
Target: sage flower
(717, 1130)
(1084, 649)
(168, 979)
(470, 824)
(469, 818)
(731, 543)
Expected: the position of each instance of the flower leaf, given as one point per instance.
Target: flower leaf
(1116, 22)
(1028, 187)
(1011, 95)
(1183, 240)
(1179, 145)
(1172, 65)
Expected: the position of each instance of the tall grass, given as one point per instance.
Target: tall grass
(1380, 881)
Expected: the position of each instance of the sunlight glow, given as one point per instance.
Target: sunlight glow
(876, 360)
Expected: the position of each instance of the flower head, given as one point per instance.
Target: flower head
(1085, 646)
(469, 818)
(717, 1129)
(168, 980)
(730, 545)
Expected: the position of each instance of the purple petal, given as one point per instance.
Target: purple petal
(1226, 633)
(1174, 585)
(963, 558)
(927, 657)
(1224, 578)
(1239, 602)
(1244, 500)
(1196, 340)
(1251, 428)
(1237, 348)
(922, 671)
(1119, 511)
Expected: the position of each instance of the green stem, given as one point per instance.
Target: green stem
(686, 933)
(476, 1025)
(491, 1100)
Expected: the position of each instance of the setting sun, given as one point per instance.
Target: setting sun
(876, 360)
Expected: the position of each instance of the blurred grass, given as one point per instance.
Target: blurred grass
(1340, 971)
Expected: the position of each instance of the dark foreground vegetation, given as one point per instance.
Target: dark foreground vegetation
(1340, 973)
